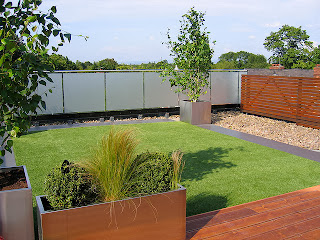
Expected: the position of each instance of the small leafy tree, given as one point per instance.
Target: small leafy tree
(24, 33)
(290, 46)
(192, 54)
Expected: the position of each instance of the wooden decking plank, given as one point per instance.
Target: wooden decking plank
(219, 218)
(219, 227)
(297, 229)
(309, 235)
(256, 203)
(263, 226)
(285, 201)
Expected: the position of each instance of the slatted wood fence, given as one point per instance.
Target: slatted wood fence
(295, 99)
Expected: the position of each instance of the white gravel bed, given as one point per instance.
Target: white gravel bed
(281, 131)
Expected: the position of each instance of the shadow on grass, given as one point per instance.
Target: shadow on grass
(205, 202)
(204, 162)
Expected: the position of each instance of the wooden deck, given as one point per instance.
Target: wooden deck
(294, 215)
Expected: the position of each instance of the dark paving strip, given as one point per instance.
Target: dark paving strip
(301, 152)
(76, 125)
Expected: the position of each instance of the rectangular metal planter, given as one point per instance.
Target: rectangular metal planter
(153, 217)
(16, 211)
(195, 113)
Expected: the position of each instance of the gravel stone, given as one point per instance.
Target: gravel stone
(278, 130)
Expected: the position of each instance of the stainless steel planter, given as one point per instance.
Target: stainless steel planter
(195, 113)
(158, 216)
(16, 212)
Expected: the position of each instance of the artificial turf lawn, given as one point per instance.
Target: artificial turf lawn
(220, 170)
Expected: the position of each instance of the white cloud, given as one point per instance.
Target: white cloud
(273, 25)
(252, 37)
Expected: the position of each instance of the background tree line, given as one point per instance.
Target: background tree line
(230, 60)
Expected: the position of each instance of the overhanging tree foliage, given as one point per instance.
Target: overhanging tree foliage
(24, 32)
(290, 46)
(192, 55)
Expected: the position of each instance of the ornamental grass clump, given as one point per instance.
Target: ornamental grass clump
(178, 165)
(112, 163)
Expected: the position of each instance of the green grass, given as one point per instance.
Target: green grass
(220, 170)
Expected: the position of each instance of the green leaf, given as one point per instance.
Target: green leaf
(4, 41)
(56, 21)
(42, 82)
(2, 59)
(9, 5)
(43, 105)
(50, 26)
(54, 9)
(2, 153)
(10, 143)
(68, 36)
(31, 18)
(34, 28)
(56, 32)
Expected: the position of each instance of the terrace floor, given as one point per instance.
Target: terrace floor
(294, 215)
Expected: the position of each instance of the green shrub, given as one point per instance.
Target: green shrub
(69, 186)
(154, 173)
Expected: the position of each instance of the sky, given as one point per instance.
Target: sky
(132, 31)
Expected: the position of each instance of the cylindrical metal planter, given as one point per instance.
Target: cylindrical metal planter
(16, 212)
(155, 217)
(195, 113)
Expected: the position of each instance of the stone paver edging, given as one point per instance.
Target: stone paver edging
(301, 152)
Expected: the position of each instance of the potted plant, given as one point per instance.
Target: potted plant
(16, 212)
(126, 196)
(192, 55)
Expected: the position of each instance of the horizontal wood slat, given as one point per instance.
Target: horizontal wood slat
(295, 99)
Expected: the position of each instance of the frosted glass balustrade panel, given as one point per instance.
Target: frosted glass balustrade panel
(124, 90)
(54, 100)
(158, 93)
(224, 88)
(84, 92)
